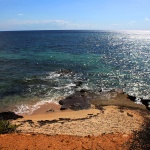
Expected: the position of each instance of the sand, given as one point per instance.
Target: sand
(82, 123)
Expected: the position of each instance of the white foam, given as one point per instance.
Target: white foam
(70, 85)
(22, 109)
(27, 109)
(52, 75)
(138, 101)
(146, 97)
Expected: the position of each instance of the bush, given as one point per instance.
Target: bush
(6, 127)
(141, 139)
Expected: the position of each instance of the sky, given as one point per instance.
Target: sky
(74, 15)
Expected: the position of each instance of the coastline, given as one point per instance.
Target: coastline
(37, 70)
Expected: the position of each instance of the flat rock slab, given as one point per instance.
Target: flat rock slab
(82, 99)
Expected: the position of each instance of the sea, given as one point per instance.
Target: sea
(38, 67)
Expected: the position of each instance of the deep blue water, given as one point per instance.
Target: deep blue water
(30, 62)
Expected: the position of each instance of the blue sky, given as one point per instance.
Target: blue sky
(74, 14)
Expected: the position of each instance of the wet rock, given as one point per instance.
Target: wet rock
(146, 102)
(63, 72)
(78, 83)
(9, 115)
(132, 98)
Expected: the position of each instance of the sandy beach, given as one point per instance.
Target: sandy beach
(82, 123)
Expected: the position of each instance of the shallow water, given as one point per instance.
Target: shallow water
(30, 62)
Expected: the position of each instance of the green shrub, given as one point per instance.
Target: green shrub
(6, 127)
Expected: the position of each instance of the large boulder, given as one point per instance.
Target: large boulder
(76, 101)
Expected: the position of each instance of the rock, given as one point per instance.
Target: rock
(138, 101)
(82, 99)
(132, 98)
(61, 102)
(63, 72)
(119, 91)
(78, 83)
(146, 102)
(50, 110)
(102, 95)
(76, 101)
(9, 115)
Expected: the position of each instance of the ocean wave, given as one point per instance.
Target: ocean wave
(67, 81)
(28, 109)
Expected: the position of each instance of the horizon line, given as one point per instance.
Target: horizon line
(109, 30)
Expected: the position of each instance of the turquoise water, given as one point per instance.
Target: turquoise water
(30, 63)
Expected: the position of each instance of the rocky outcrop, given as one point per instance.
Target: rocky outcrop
(76, 101)
(9, 116)
(82, 99)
